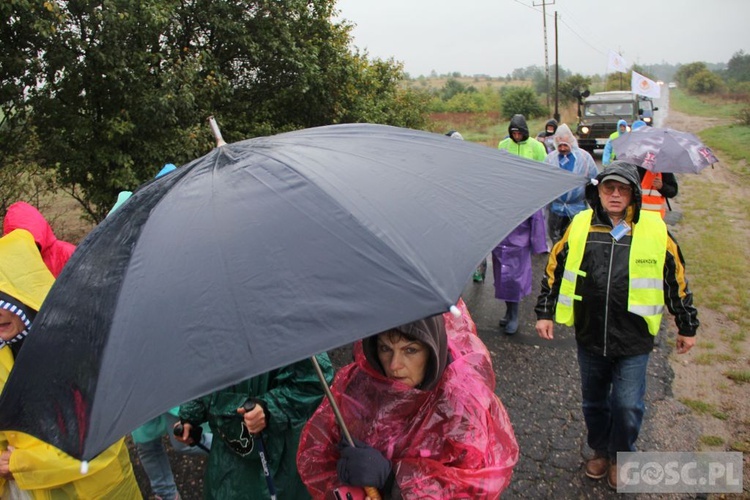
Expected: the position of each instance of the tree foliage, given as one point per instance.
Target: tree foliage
(574, 82)
(738, 67)
(521, 100)
(705, 82)
(117, 88)
(687, 71)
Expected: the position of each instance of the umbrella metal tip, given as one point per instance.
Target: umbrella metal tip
(455, 311)
(85, 467)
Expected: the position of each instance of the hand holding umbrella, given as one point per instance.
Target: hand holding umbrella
(255, 420)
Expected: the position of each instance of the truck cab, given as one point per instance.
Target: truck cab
(600, 112)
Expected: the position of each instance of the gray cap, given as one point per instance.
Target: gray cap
(615, 177)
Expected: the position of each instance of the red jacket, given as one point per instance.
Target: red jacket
(55, 253)
(454, 441)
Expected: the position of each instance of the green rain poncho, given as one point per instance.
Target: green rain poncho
(291, 395)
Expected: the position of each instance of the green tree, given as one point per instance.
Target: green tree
(117, 88)
(738, 67)
(687, 71)
(521, 100)
(705, 82)
(572, 83)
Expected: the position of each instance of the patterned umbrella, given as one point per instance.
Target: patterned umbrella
(664, 150)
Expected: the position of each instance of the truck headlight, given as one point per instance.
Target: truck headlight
(584, 130)
(647, 119)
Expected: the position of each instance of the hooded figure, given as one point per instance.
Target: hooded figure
(657, 187)
(511, 258)
(34, 465)
(446, 437)
(518, 141)
(568, 156)
(55, 253)
(288, 396)
(545, 136)
(610, 277)
(608, 156)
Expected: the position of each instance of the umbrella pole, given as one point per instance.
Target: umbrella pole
(216, 131)
(370, 491)
(334, 406)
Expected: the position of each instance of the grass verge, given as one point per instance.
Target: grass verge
(703, 106)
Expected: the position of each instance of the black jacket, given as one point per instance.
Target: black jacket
(602, 322)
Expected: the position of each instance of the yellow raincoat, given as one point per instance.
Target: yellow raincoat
(41, 469)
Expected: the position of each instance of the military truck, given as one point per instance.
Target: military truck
(599, 113)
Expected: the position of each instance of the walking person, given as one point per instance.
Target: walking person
(55, 252)
(26, 463)
(657, 187)
(284, 399)
(608, 156)
(419, 401)
(568, 156)
(511, 258)
(610, 276)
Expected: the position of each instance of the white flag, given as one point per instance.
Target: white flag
(617, 62)
(643, 86)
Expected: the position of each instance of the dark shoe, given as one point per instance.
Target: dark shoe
(612, 476)
(511, 327)
(504, 320)
(597, 467)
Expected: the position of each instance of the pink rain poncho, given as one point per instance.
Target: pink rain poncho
(454, 441)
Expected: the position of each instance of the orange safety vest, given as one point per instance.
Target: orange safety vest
(652, 199)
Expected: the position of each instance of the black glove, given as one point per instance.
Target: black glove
(362, 465)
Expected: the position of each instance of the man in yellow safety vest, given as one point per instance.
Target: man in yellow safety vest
(610, 276)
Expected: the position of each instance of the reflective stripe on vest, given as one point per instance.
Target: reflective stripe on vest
(579, 231)
(648, 251)
(651, 198)
(648, 248)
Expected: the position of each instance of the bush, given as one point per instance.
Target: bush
(743, 116)
(521, 100)
(705, 82)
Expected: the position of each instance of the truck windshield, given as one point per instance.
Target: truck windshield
(609, 109)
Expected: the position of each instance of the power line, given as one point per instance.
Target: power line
(581, 38)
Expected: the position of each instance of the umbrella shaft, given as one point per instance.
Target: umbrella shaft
(334, 406)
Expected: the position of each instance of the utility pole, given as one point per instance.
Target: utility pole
(546, 54)
(557, 75)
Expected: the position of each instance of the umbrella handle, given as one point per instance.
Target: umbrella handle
(195, 432)
(370, 491)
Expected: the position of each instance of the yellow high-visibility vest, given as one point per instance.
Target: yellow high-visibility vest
(648, 249)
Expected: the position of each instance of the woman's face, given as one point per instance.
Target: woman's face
(402, 359)
(10, 325)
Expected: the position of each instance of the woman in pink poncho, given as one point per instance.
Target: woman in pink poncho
(419, 401)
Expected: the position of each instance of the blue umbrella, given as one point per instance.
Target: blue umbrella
(257, 255)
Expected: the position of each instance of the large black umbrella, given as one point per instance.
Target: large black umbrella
(259, 254)
(664, 150)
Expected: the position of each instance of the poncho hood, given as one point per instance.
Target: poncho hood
(24, 278)
(429, 331)
(518, 122)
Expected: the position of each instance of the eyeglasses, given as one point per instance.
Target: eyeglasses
(610, 187)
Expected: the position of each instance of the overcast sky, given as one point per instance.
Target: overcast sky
(494, 37)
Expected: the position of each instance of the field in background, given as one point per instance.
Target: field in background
(490, 128)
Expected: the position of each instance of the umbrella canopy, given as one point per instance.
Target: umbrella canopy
(663, 150)
(259, 254)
